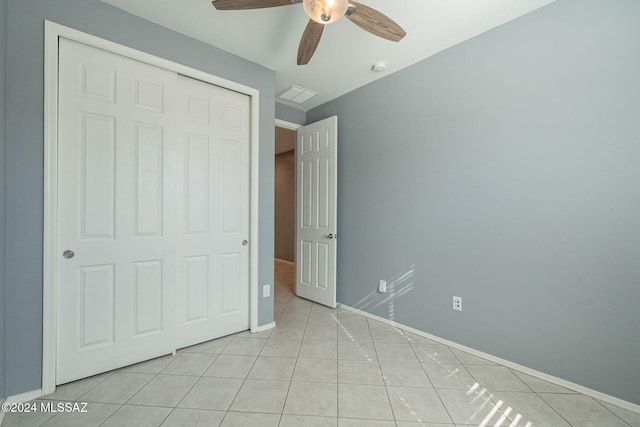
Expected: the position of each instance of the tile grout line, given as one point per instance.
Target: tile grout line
(610, 411)
(540, 397)
(194, 384)
(123, 404)
(384, 382)
(431, 381)
(296, 363)
(244, 381)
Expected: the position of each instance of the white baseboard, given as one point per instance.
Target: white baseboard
(546, 377)
(25, 397)
(264, 328)
(21, 398)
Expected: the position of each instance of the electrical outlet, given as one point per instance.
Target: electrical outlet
(457, 303)
(382, 287)
(266, 291)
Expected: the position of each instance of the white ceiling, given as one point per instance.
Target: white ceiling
(346, 53)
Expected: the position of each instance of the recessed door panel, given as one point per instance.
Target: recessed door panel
(305, 262)
(231, 292)
(305, 143)
(148, 286)
(97, 168)
(196, 177)
(232, 117)
(98, 82)
(197, 109)
(149, 95)
(322, 261)
(323, 203)
(97, 304)
(231, 187)
(150, 175)
(197, 280)
(305, 179)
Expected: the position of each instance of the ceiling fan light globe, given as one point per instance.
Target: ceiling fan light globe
(325, 11)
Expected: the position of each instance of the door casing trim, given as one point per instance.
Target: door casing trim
(53, 32)
(287, 125)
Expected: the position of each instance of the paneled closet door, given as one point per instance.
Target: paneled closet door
(213, 214)
(116, 217)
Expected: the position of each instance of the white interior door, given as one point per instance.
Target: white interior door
(213, 215)
(316, 195)
(116, 260)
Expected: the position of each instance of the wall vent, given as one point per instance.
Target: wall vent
(297, 94)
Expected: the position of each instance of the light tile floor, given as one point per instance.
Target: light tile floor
(322, 367)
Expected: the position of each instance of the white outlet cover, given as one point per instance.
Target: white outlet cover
(382, 287)
(457, 303)
(266, 291)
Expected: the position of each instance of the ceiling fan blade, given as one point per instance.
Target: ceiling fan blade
(309, 41)
(375, 22)
(249, 4)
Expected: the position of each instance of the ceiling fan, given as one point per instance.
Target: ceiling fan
(324, 12)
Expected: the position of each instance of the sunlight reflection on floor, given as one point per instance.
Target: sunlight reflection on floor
(470, 399)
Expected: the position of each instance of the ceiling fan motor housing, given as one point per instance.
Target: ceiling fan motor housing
(325, 11)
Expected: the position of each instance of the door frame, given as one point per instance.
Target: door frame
(287, 125)
(294, 127)
(53, 32)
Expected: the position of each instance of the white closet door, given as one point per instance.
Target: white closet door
(116, 216)
(213, 214)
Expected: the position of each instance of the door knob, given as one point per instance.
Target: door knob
(68, 254)
(245, 242)
(329, 236)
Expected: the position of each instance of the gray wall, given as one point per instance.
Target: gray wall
(24, 154)
(290, 114)
(285, 184)
(506, 172)
(3, 128)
